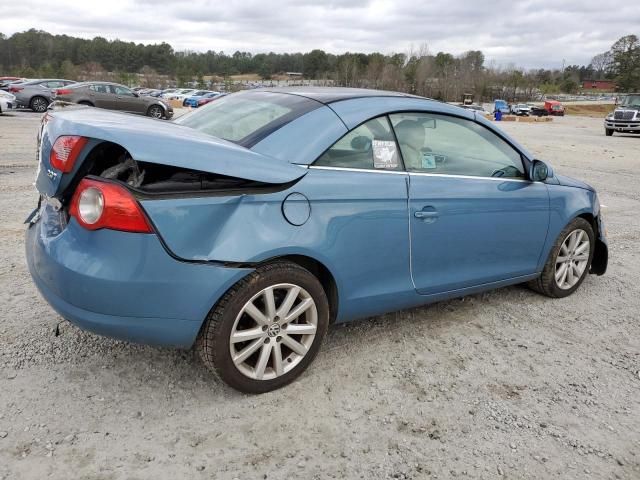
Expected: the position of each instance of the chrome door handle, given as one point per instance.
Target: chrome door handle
(423, 214)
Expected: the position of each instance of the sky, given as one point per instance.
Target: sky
(523, 33)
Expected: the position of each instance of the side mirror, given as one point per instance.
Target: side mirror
(539, 171)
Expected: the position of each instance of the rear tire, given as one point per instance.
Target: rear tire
(289, 316)
(608, 132)
(38, 104)
(567, 265)
(84, 102)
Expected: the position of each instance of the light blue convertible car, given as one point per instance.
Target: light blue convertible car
(248, 226)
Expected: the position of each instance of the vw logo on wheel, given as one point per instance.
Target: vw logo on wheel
(273, 330)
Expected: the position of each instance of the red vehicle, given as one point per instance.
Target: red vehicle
(554, 107)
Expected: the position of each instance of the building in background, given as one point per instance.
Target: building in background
(598, 85)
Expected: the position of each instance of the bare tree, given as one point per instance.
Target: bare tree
(601, 64)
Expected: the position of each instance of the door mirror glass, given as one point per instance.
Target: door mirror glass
(539, 171)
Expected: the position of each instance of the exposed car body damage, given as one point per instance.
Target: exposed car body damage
(153, 141)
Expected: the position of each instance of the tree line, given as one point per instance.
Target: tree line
(441, 75)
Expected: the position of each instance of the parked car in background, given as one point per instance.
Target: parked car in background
(193, 100)
(476, 108)
(182, 94)
(500, 106)
(195, 95)
(554, 107)
(148, 91)
(37, 94)
(7, 80)
(538, 111)
(251, 225)
(210, 98)
(6, 84)
(178, 93)
(113, 96)
(626, 117)
(168, 92)
(7, 101)
(520, 109)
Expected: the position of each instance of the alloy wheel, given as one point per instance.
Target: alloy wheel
(572, 259)
(273, 331)
(155, 112)
(39, 104)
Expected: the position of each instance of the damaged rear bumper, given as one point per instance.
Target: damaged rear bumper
(123, 285)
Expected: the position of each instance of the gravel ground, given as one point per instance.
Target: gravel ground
(504, 384)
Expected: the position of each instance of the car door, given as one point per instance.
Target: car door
(358, 196)
(100, 95)
(475, 218)
(126, 100)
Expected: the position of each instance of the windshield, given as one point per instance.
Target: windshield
(631, 101)
(246, 118)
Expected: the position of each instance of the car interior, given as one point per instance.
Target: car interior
(429, 144)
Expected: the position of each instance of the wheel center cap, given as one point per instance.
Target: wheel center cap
(273, 330)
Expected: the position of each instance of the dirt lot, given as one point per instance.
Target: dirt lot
(507, 384)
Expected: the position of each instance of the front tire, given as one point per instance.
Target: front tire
(569, 261)
(38, 104)
(155, 111)
(608, 132)
(267, 329)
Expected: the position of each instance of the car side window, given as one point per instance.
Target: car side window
(441, 144)
(121, 91)
(99, 88)
(54, 84)
(370, 146)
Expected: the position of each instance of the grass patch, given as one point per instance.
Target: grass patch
(589, 110)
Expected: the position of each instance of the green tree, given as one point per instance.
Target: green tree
(67, 70)
(569, 85)
(626, 63)
(315, 63)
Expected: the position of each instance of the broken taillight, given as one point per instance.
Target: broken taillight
(65, 152)
(96, 204)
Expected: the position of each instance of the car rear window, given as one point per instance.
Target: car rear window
(246, 118)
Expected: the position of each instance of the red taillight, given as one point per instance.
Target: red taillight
(15, 89)
(65, 151)
(64, 91)
(97, 204)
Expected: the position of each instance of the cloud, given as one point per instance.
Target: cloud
(532, 33)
